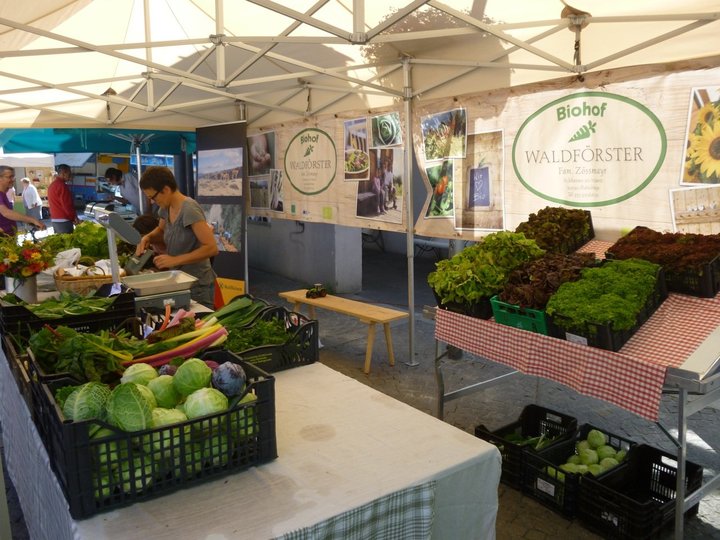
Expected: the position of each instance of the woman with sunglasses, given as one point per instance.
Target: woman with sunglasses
(188, 238)
(9, 216)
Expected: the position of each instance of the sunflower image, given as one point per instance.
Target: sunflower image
(708, 114)
(704, 153)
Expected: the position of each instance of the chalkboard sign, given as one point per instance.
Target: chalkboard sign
(479, 194)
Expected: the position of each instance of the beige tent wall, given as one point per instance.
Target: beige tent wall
(337, 204)
(664, 90)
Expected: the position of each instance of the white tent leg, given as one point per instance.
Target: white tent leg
(408, 195)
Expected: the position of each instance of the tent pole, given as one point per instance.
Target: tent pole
(410, 213)
(136, 144)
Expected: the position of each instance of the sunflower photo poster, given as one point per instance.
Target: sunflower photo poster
(702, 144)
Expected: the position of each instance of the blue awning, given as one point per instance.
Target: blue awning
(72, 140)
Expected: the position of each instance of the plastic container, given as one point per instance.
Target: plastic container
(603, 336)
(560, 492)
(704, 283)
(121, 468)
(482, 309)
(20, 321)
(19, 368)
(533, 320)
(301, 347)
(637, 499)
(534, 421)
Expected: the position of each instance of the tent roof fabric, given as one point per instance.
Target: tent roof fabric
(79, 140)
(180, 64)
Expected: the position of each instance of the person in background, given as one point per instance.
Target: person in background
(31, 199)
(11, 194)
(189, 239)
(377, 189)
(8, 216)
(62, 211)
(260, 158)
(129, 190)
(389, 185)
(146, 224)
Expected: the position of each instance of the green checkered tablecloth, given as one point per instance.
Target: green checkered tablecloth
(406, 514)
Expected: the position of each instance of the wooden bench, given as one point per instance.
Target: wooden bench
(367, 313)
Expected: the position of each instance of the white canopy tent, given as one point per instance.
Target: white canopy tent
(181, 64)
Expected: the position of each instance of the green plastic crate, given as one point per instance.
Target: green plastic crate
(533, 320)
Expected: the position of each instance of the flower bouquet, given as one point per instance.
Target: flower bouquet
(20, 262)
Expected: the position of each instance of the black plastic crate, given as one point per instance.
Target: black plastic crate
(482, 309)
(637, 499)
(534, 421)
(132, 325)
(576, 242)
(570, 242)
(301, 347)
(20, 321)
(603, 336)
(154, 462)
(704, 283)
(18, 363)
(560, 492)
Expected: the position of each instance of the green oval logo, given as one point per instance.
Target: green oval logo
(589, 149)
(311, 161)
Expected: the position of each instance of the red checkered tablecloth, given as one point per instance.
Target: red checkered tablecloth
(631, 378)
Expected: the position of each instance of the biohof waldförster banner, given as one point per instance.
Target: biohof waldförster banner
(311, 161)
(589, 149)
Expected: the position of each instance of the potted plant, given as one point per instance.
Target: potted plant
(559, 230)
(608, 303)
(522, 301)
(466, 282)
(691, 261)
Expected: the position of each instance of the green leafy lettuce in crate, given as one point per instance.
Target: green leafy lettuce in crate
(614, 294)
(481, 270)
(558, 230)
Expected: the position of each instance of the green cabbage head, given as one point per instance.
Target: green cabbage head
(128, 408)
(86, 402)
(192, 375)
(167, 441)
(139, 373)
(164, 390)
(149, 396)
(205, 401)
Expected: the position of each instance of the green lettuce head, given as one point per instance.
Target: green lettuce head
(86, 402)
(128, 408)
(139, 373)
(192, 375)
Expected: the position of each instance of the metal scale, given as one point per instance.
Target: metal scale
(153, 290)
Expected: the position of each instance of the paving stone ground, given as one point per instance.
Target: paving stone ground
(519, 516)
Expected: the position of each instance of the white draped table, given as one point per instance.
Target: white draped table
(352, 462)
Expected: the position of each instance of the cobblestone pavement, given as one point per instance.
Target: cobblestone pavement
(519, 516)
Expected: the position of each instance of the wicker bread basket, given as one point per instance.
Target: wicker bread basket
(81, 284)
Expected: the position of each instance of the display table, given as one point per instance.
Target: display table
(349, 458)
(633, 378)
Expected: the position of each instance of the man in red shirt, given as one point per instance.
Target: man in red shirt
(62, 211)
